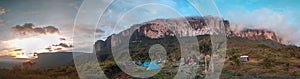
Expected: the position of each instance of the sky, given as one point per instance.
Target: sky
(281, 16)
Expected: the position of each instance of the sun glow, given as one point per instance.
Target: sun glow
(22, 56)
(36, 44)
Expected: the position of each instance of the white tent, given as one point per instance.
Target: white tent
(244, 58)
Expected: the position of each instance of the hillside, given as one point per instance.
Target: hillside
(189, 26)
(268, 54)
(267, 58)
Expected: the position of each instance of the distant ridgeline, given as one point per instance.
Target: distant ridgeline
(48, 60)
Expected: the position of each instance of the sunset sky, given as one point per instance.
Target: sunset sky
(281, 16)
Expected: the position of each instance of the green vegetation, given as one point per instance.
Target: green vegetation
(268, 62)
(68, 72)
(268, 59)
(110, 68)
(262, 46)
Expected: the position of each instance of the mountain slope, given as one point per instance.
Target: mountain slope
(183, 27)
(268, 53)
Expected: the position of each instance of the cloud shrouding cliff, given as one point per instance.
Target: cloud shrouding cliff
(265, 18)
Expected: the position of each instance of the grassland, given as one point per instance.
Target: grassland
(268, 59)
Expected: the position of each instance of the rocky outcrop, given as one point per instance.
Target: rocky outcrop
(258, 34)
(189, 26)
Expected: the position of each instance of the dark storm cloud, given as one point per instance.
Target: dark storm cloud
(30, 28)
(62, 39)
(18, 49)
(58, 49)
(49, 49)
(51, 29)
(64, 45)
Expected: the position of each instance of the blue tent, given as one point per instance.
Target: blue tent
(139, 63)
(146, 64)
(153, 66)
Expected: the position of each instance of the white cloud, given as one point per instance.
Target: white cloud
(265, 18)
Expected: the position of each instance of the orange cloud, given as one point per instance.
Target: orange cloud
(2, 11)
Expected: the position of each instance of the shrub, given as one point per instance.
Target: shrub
(262, 46)
(236, 60)
(292, 54)
(268, 62)
(288, 66)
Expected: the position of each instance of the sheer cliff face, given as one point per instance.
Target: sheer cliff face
(190, 26)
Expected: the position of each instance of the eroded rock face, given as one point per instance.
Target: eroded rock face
(189, 26)
(257, 34)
